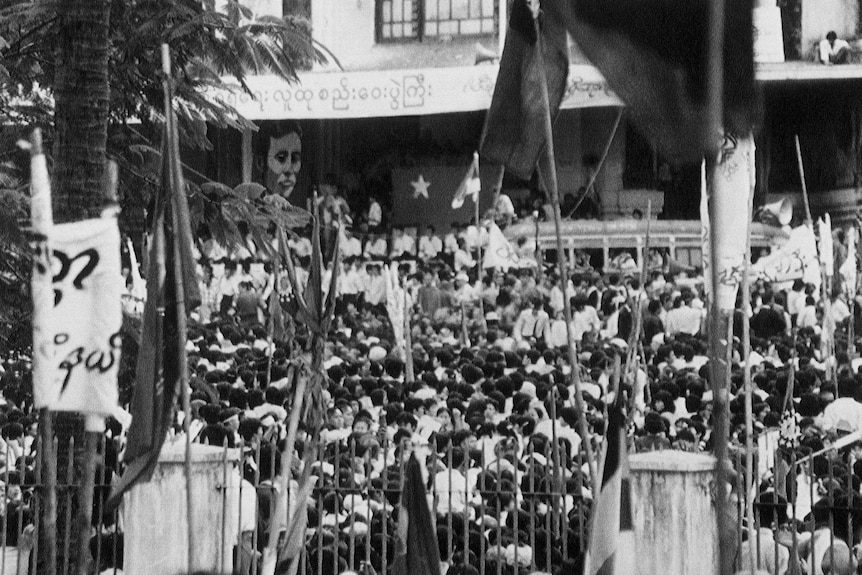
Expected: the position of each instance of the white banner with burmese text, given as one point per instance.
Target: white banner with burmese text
(79, 339)
(732, 190)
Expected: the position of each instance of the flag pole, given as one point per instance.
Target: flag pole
(42, 221)
(720, 322)
(745, 288)
(175, 177)
(550, 179)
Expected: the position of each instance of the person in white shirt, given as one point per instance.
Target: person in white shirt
(845, 410)
(683, 318)
(450, 242)
(375, 290)
(402, 244)
(533, 323)
(375, 247)
(808, 316)
(832, 50)
(463, 260)
(350, 245)
(375, 214)
(429, 245)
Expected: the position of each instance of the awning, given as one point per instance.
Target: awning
(397, 93)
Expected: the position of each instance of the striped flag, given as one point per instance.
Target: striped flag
(416, 552)
(611, 548)
(471, 185)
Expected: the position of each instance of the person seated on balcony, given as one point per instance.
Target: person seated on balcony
(833, 50)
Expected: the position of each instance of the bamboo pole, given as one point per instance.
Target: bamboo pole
(42, 221)
(550, 179)
(745, 288)
(176, 180)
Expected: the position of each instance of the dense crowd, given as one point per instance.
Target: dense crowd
(489, 407)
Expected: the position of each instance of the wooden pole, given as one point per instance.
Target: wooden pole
(745, 288)
(42, 222)
(176, 180)
(409, 376)
(550, 179)
(801, 167)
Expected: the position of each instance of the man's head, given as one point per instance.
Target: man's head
(831, 36)
(283, 159)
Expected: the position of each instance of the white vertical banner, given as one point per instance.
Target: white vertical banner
(827, 256)
(732, 190)
(848, 268)
(40, 282)
(79, 341)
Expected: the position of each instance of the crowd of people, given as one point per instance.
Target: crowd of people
(490, 407)
(487, 403)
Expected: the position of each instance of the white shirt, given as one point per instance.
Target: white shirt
(843, 409)
(429, 247)
(826, 51)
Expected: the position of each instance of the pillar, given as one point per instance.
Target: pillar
(156, 520)
(673, 512)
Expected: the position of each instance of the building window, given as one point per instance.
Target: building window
(419, 19)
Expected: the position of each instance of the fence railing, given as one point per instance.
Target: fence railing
(504, 510)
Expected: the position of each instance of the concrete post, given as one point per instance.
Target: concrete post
(674, 515)
(155, 518)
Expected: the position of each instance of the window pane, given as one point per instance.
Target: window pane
(488, 8)
(449, 27)
(387, 31)
(431, 9)
(445, 12)
(430, 28)
(408, 10)
(398, 30)
(488, 26)
(470, 27)
(460, 8)
(387, 11)
(398, 15)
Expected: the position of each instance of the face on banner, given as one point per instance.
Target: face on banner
(77, 342)
(283, 163)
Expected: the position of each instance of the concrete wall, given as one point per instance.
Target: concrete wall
(821, 16)
(332, 19)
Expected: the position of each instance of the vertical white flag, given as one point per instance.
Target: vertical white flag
(732, 191)
(79, 339)
(848, 268)
(500, 253)
(827, 256)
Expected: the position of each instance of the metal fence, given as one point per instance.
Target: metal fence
(516, 511)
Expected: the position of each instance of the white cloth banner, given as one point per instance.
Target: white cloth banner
(797, 259)
(848, 268)
(385, 93)
(500, 253)
(827, 256)
(732, 190)
(79, 341)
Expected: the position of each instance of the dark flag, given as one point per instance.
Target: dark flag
(611, 548)
(416, 552)
(655, 56)
(160, 365)
(514, 132)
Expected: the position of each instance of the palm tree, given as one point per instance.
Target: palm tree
(100, 58)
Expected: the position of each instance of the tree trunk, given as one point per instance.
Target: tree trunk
(81, 93)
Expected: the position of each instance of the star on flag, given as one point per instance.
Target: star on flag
(420, 187)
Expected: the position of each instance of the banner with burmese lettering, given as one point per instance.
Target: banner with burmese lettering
(79, 339)
(732, 190)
